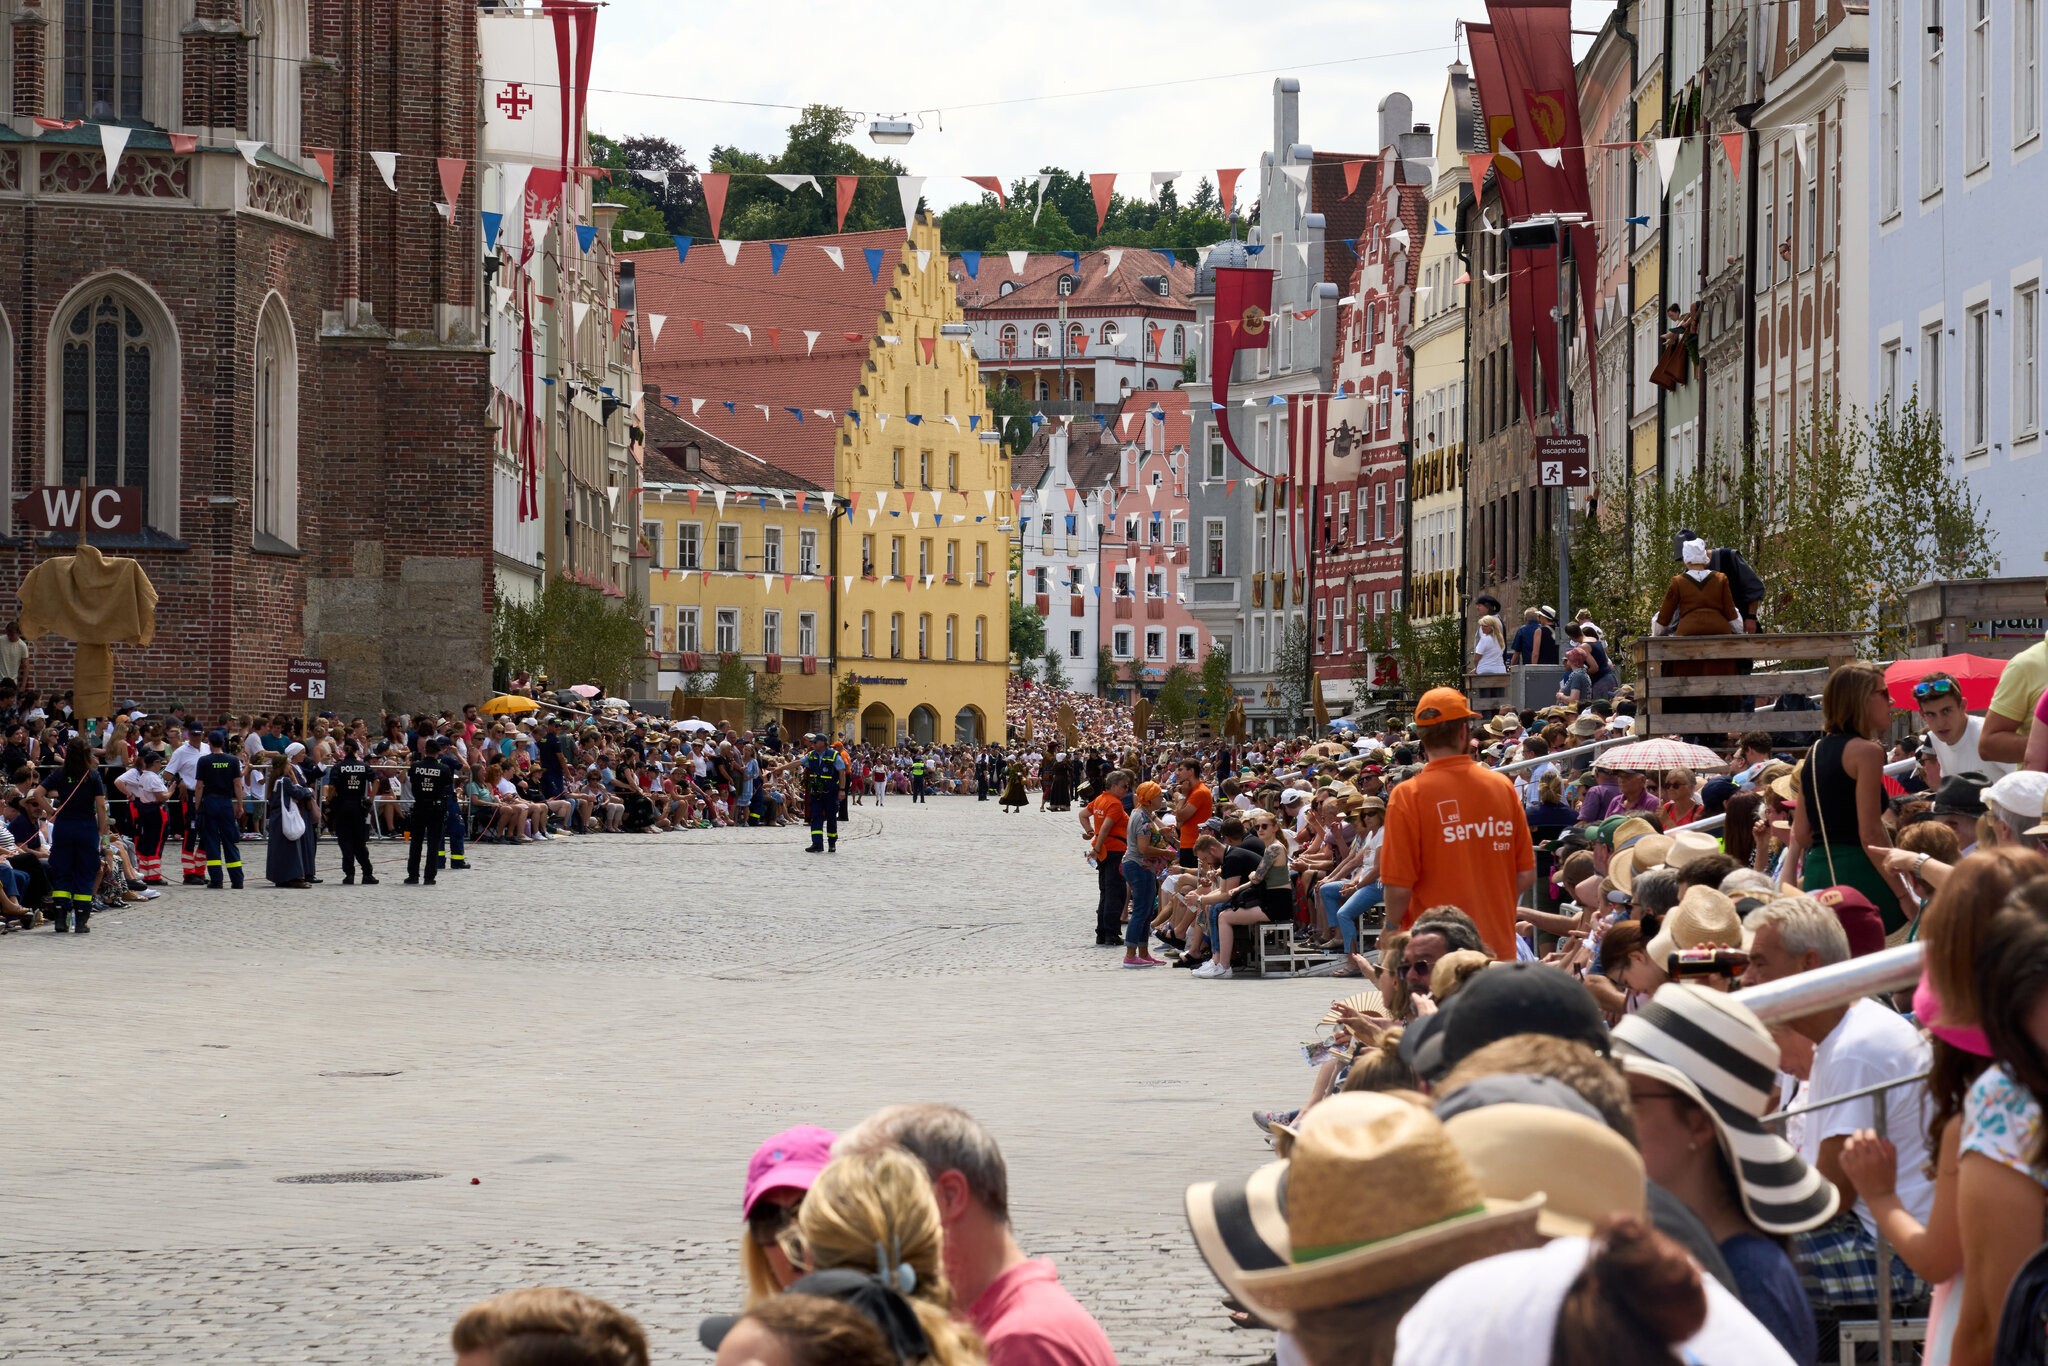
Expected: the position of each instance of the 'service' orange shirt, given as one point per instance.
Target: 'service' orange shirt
(1456, 835)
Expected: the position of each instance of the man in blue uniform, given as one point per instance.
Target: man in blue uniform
(824, 777)
(429, 812)
(457, 823)
(351, 787)
(220, 812)
(917, 771)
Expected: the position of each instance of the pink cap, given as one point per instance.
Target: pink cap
(789, 1161)
(1927, 1010)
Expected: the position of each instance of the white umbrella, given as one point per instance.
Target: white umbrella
(617, 704)
(693, 724)
(1646, 756)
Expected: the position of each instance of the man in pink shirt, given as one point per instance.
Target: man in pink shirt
(1016, 1303)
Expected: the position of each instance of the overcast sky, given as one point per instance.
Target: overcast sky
(1348, 55)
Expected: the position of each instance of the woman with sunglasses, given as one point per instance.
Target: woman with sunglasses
(778, 1176)
(1681, 804)
(1839, 814)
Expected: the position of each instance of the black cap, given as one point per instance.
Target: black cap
(883, 1305)
(1961, 794)
(1504, 999)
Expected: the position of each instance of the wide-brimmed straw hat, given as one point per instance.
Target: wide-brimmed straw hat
(1712, 1048)
(1375, 1199)
(1517, 1150)
(1689, 847)
(1702, 917)
(1645, 854)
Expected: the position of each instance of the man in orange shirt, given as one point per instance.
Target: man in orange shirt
(1108, 826)
(1196, 805)
(1456, 834)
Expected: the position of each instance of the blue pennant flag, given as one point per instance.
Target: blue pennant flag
(764, 502)
(1215, 407)
(971, 260)
(914, 419)
(1641, 220)
(1073, 256)
(1171, 259)
(547, 379)
(895, 514)
(683, 250)
(981, 519)
(1350, 243)
(775, 251)
(974, 422)
(1037, 418)
(1437, 229)
(607, 391)
(586, 237)
(675, 401)
(492, 222)
(1254, 248)
(730, 406)
(1276, 401)
(797, 413)
(855, 416)
(874, 255)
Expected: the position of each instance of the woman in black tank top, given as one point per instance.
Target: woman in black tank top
(1841, 793)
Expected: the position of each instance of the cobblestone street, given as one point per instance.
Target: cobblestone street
(598, 1031)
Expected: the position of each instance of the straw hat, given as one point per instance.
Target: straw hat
(1702, 917)
(1646, 853)
(1321, 1229)
(1586, 724)
(1785, 786)
(1689, 847)
(1627, 830)
(1518, 1150)
(1711, 1047)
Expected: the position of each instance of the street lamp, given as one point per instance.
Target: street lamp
(892, 132)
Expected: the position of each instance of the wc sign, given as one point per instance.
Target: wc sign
(112, 511)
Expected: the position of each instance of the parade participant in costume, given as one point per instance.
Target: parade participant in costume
(1013, 798)
(183, 772)
(149, 808)
(1697, 602)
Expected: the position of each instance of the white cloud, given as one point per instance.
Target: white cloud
(795, 52)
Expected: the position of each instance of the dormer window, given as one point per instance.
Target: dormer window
(693, 457)
(1005, 291)
(1066, 286)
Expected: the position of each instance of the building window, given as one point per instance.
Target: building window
(924, 636)
(1066, 286)
(117, 422)
(1891, 108)
(650, 532)
(896, 467)
(276, 426)
(953, 472)
(1216, 458)
(1120, 642)
(1976, 378)
(1322, 625)
(1180, 341)
(2026, 69)
(924, 469)
(728, 548)
(103, 57)
(1041, 342)
(924, 555)
(952, 559)
(895, 635)
(1077, 339)
(807, 633)
(1379, 512)
(771, 632)
(1006, 343)
(689, 545)
(1186, 645)
(1212, 545)
(771, 550)
(980, 561)
(1155, 644)
(807, 552)
(867, 635)
(1344, 516)
(1932, 97)
(1977, 87)
(1073, 644)
(952, 637)
(895, 557)
(981, 638)
(2026, 361)
(1930, 370)
(686, 629)
(1888, 377)
(1180, 532)
(728, 628)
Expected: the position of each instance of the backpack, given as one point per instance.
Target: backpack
(2023, 1325)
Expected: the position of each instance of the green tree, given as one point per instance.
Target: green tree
(1219, 694)
(764, 698)
(1179, 692)
(1927, 523)
(1291, 663)
(845, 699)
(1055, 670)
(732, 678)
(1011, 412)
(1027, 634)
(573, 634)
(1105, 672)
(654, 181)
(819, 144)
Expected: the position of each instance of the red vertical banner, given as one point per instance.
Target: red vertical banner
(1244, 304)
(1529, 323)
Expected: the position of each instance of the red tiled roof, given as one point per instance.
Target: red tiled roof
(773, 369)
(1037, 288)
(1343, 215)
(719, 463)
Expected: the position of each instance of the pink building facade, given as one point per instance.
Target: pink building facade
(1145, 546)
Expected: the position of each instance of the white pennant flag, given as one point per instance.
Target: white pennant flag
(881, 496)
(1125, 422)
(1422, 291)
(444, 210)
(828, 415)
(113, 142)
(537, 229)
(782, 501)
(1297, 174)
(249, 147)
(849, 582)
(954, 423)
(872, 514)
(1798, 146)
(744, 331)
(889, 338)
(1301, 250)
(579, 311)
(632, 235)
(1017, 259)
(731, 250)
(764, 411)
(1553, 157)
(913, 518)
(811, 341)
(696, 406)
(924, 258)
(1151, 493)
(990, 495)
(612, 496)
(654, 322)
(1116, 258)
(790, 182)
(1043, 181)
(837, 256)
(1202, 256)
(387, 166)
(512, 188)
(1667, 162)
(718, 496)
(827, 494)
(501, 295)
(1398, 235)
(928, 580)
(1163, 178)
(882, 422)
(908, 189)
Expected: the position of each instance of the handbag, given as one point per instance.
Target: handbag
(290, 823)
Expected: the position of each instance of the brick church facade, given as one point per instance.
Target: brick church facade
(292, 373)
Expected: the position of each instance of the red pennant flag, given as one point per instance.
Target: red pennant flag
(845, 186)
(693, 500)
(1731, 143)
(930, 347)
(802, 499)
(774, 338)
(908, 583)
(715, 184)
(1070, 500)
(1481, 163)
(707, 576)
(1229, 486)
(1158, 338)
(907, 496)
(786, 581)
(618, 320)
(854, 336)
(1226, 186)
(1104, 184)
(185, 144)
(697, 326)
(452, 171)
(1080, 343)
(993, 184)
(1351, 170)
(322, 157)
(56, 125)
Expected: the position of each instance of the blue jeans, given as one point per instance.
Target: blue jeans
(15, 881)
(1144, 887)
(1348, 915)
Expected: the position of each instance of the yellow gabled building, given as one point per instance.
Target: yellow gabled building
(847, 363)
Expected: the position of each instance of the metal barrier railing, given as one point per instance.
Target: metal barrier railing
(1891, 770)
(1521, 765)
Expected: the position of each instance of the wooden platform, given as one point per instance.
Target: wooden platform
(1995, 618)
(1786, 663)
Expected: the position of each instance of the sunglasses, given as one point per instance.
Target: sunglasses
(1421, 966)
(1934, 687)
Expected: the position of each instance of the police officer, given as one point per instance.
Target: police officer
(348, 809)
(457, 823)
(429, 811)
(917, 776)
(220, 811)
(824, 780)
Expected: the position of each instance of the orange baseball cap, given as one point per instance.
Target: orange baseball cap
(1439, 705)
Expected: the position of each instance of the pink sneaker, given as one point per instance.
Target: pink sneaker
(1142, 963)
